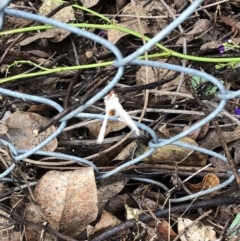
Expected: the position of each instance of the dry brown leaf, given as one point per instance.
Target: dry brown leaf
(222, 165)
(41, 35)
(163, 228)
(199, 133)
(175, 154)
(89, 3)
(156, 26)
(3, 129)
(37, 53)
(204, 131)
(226, 212)
(235, 146)
(210, 180)
(19, 202)
(196, 232)
(20, 127)
(40, 108)
(6, 115)
(143, 202)
(172, 85)
(211, 141)
(193, 135)
(115, 204)
(64, 15)
(109, 188)
(47, 86)
(179, 3)
(200, 27)
(67, 199)
(11, 236)
(236, 40)
(164, 130)
(233, 143)
(90, 230)
(6, 159)
(3, 189)
(95, 127)
(115, 35)
(32, 234)
(107, 220)
(219, 164)
(126, 152)
(211, 45)
(154, 74)
(120, 4)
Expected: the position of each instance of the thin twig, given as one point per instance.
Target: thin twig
(163, 213)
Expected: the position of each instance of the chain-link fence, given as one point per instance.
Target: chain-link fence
(119, 63)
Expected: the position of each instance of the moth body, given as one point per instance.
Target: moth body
(113, 107)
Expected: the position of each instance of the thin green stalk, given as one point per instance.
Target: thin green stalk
(168, 52)
(51, 71)
(18, 63)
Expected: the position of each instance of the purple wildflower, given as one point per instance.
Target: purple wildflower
(102, 33)
(237, 111)
(221, 50)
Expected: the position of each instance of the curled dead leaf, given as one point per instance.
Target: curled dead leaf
(164, 229)
(210, 180)
(230, 21)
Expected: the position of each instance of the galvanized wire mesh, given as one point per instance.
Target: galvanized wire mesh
(119, 63)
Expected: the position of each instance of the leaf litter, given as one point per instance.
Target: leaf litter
(66, 200)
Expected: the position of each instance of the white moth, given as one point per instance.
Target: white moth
(113, 107)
